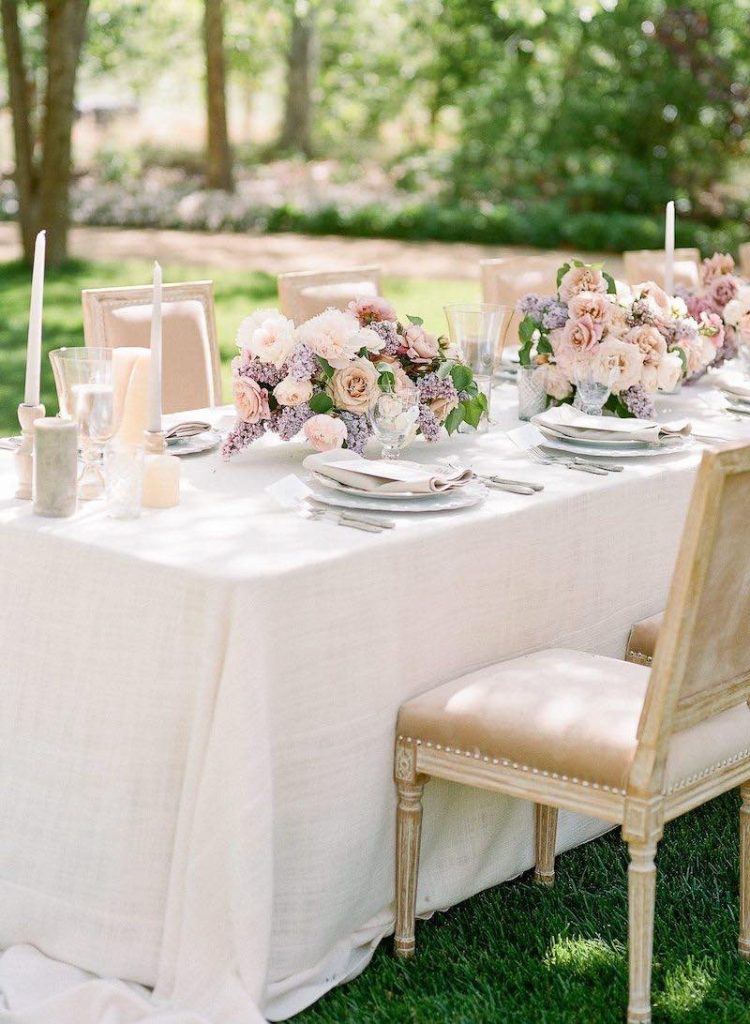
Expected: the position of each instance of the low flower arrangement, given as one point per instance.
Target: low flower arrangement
(634, 340)
(723, 299)
(321, 377)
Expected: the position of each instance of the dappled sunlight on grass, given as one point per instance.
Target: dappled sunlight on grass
(582, 957)
(685, 989)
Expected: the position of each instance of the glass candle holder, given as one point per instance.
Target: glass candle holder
(123, 474)
(532, 396)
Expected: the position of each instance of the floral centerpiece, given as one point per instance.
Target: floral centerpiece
(723, 299)
(321, 377)
(636, 341)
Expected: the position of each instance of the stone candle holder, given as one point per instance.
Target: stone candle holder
(27, 416)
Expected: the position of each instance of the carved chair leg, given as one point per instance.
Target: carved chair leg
(546, 836)
(408, 836)
(641, 898)
(744, 940)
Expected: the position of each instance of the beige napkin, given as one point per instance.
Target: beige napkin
(731, 384)
(383, 476)
(566, 420)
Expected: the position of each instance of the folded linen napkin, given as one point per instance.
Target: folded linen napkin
(566, 420)
(384, 476)
(733, 384)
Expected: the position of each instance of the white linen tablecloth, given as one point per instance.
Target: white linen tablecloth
(198, 715)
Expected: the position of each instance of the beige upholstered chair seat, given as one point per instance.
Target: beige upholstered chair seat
(648, 265)
(564, 713)
(306, 293)
(317, 298)
(642, 640)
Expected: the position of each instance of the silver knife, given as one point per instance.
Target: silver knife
(517, 483)
(608, 467)
(360, 517)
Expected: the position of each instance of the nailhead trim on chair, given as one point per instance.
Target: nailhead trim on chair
(477, 755)
(638, 658)
(683, 783)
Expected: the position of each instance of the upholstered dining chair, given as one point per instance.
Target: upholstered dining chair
(505, 280)
(121, 317)
(309, 292)
(599, 736)
(745, 259)
(648, 265)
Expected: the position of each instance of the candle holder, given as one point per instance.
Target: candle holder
(27, 416)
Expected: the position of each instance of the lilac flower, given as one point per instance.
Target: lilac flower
(556, 315)
(290, 419)
(302, 365)
(240, 436)
(388, 331)
(358, 431)
(263, 373)
(431, 387)
(428, 423)
(638, 402)
(531, 305)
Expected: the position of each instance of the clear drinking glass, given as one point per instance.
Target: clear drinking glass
(478, 330)
(532, 396)
(83, 378)
(394, 416)
(591, 391)
(123, 474)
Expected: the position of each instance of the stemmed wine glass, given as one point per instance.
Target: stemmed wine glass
(83, 378)
(394, 416)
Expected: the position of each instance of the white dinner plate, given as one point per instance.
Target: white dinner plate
(594, 442)
(641, 451)
(194, 445)
(335, 485)
(462, 497)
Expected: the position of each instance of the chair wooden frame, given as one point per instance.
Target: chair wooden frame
(644, 806)
(292, 283)
(96, 300)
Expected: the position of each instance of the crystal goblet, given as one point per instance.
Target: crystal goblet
(394, 416)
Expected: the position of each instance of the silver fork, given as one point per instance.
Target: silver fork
(365, 524)
(537, 455)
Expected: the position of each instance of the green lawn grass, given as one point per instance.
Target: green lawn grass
(237, 295)
(517, 954)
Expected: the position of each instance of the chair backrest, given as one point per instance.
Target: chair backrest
(745, 259)
(702, 662)
(309, 292)
(121, 317)
(648, 265)
(505, 280)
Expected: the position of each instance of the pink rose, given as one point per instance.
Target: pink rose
(591, 304)
(718, 265)
(712, 326)
(554, 381)
(293, 392)
(372, 310)
(574, 339)
(697, 304)
(581, 279)
(250, 399)
(649, 341)
(722, 290)
(421, 346)
(694, 352)
(324, 432)
(618, 364)
(656, 297)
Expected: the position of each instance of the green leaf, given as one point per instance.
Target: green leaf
(481, 398)
(526, 329)
(544, 348)
(472, 412)
(454, 419)
(325, 367)
(445, 368)
(416, 320)
(462, 376)
(562, 272)
(321, 402)
(387, 381)
(611, 286)
(683, 356)
(472, 390)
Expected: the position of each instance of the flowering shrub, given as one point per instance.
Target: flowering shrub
(635, 341)
(321, 377)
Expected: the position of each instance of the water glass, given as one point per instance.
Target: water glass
(532, 395)
(123, 474)
(394, 416)
(591, 392)
(478, 331)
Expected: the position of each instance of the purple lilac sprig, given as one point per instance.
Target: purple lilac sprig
(358, 431)
(290, 419)
(545, 310)
(556, 315)
(240, 436)
(302, 365)
(428, 423)
(388, 331)
(431, 386)
(264, 373)
(638, 401)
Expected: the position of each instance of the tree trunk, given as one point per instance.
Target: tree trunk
(66, 26)
(43, 181)
(23, 136)
(219, 155)
(296, 133)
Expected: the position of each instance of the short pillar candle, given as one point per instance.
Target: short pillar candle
(161, 481)
(55, 467)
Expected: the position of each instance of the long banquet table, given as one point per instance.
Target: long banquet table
(198, 713)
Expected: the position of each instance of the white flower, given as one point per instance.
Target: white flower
(554, 380)
(618, 364)
(669, 372)
(371, 340)
(733, 312)
(334, 336)
(293, 392)
(268, 335)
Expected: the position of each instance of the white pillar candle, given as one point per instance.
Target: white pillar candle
(669, 249)
(123, 363)
(34, 341)
(161, 481)
(55, 467)
(154, 398)
(134, 419)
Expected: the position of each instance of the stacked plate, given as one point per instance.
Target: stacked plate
(609, 446)
(736, 391)
(330, 492)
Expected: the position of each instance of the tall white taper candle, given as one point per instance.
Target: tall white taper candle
(154, 397)
(34, 342)
(669, 250)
